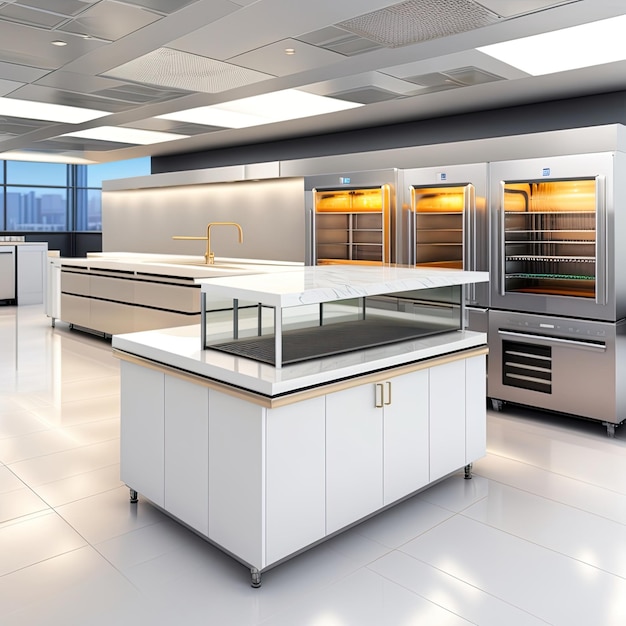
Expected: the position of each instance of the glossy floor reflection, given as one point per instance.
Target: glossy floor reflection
(538, 536)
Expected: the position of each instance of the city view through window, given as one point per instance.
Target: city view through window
(54, 197)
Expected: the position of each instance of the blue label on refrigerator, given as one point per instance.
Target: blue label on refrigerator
(344, 180)
(546, 171)
(442, 176)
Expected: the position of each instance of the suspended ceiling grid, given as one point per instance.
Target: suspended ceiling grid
(135, 60)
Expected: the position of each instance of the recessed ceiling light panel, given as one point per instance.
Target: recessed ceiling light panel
(48, 112)
(167, 67)
(125, 135)
(278, 106)
(594, 43)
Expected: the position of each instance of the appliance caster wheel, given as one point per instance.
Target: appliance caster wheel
(256, 578)
(610, 429)
(134, 496)
(468, 471)
(496, 404)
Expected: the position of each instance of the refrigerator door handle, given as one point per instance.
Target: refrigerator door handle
(602, 259)
(542, 339)
(469, 236)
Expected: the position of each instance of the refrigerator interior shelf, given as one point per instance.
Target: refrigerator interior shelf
(552, 230)
(553, 212)
(565, 259)
(551, 242)
(551, 276)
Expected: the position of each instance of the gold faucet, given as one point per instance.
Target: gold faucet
(209, 257)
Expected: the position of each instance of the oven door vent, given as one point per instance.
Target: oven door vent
(527, 366)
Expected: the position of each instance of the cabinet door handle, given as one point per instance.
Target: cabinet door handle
(379, 392)
(388, 386)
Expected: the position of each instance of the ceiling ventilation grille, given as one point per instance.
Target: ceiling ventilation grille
(415, 21)
(450, 79)
(338, 40)
(171, 68)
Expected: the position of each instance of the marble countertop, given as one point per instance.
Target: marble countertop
(180, 348)
(328, 283)
(182, 266)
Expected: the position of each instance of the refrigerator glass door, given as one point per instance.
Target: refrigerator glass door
(549, 238)
(442, 214)
(352, 225)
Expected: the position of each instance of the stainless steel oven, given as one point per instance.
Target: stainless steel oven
(563, 364)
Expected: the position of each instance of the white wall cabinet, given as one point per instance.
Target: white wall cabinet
(263, 482)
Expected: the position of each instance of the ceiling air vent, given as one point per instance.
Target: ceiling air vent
(339, 40)
(451, 79)
(140, 94)
(415, 21)
(365, 95)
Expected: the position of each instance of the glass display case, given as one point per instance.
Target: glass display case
(317, 312)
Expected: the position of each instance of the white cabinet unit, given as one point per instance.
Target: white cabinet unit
(7, 272)
(32, 262)
(266, 461)
(23, 272)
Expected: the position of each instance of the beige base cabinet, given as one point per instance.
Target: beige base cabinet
(265, 482)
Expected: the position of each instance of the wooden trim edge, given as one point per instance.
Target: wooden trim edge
(304, 394)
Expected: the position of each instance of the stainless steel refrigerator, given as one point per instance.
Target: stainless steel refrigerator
(352, 217)
(557, 327)
(445, 223)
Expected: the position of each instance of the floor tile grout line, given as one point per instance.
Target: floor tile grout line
(463, 582)
(544, 547)
(559, 474)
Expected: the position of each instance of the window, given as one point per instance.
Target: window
(88, 188)
(36, 208)
(58, 197)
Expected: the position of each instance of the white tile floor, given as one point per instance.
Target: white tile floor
(538, 536)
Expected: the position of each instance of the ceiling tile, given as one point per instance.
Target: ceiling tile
(180, 70)
(110, 21)
(163, 6)
(273, 59)
(64, 7)
(21, 73)
(510, 8)
(7, 86)
(25, 45)
(31, 17)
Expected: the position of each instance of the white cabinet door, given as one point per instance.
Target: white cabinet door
(237, 476)
(141, 430)
(187, 452)
(447, 418)
(406, 458)
(475, 409)
(354, 456)
(295, 479)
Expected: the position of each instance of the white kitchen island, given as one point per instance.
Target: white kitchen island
(266, 461)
